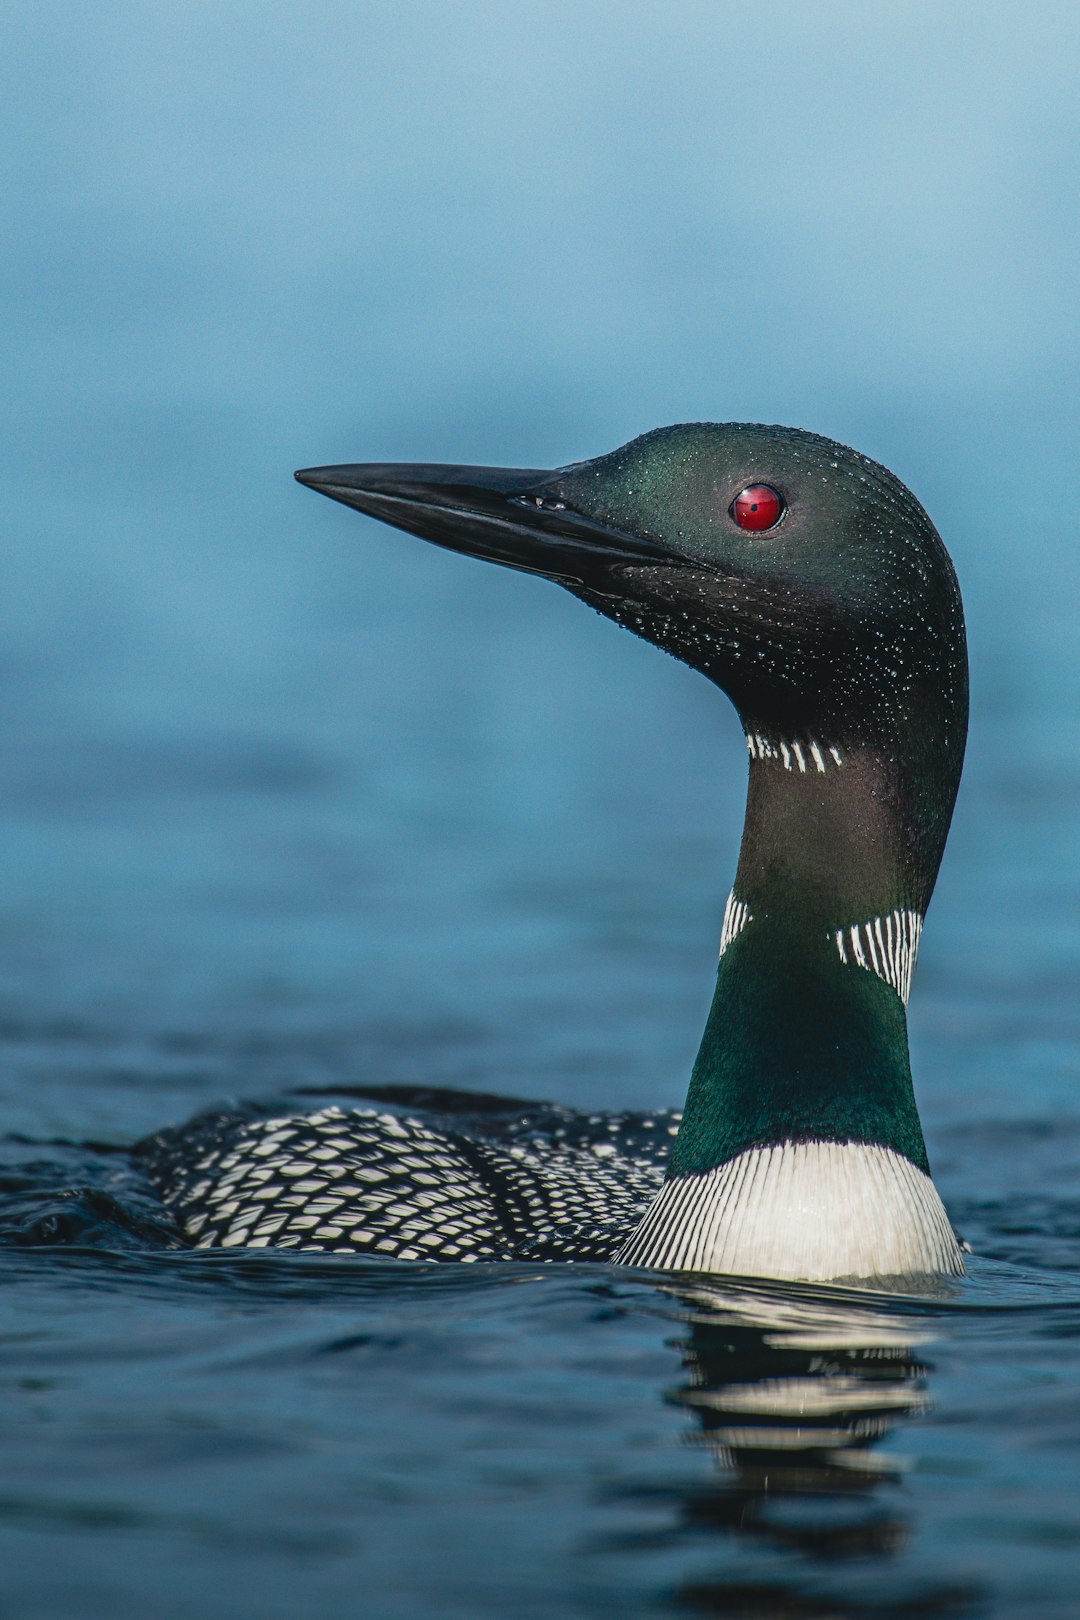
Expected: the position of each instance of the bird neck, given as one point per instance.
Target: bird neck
(806, 1039)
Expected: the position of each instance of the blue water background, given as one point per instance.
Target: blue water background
(290, 800)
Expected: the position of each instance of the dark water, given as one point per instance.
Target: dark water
(289, 1435)
(290, 804)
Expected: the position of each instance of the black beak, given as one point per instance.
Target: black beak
(517, 517)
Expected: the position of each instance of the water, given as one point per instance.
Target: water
(290, 804)
(290, 1435)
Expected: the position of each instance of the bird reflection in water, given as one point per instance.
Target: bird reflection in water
(793, 1392)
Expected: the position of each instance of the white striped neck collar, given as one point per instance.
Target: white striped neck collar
(887, 944)
(805, 757)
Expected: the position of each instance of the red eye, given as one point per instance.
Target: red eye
(758, 507)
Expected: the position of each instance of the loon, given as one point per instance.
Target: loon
(810, 585)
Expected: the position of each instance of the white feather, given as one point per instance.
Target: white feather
(807, 1211)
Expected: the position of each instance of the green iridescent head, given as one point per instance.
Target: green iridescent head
(842, 616)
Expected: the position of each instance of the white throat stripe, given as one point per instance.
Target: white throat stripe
(803, 758)
(887, 946)
(736, 916)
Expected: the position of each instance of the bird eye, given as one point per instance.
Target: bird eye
(758, 507)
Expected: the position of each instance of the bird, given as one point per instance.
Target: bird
(808, 583)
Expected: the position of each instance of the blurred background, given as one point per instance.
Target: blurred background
(287, 798)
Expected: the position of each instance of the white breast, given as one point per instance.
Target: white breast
(807, 1211)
